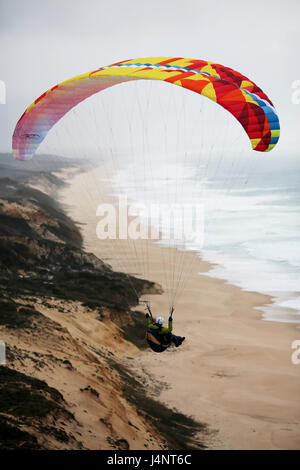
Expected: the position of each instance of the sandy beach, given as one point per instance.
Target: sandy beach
(234, 371)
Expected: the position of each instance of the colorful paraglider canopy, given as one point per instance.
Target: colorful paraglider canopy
(227, 87)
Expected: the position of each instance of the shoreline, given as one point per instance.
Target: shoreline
(234, 370)
(275, 310)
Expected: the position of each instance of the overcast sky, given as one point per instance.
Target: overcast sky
(45, 42)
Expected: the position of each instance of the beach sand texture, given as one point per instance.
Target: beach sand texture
(234, 371)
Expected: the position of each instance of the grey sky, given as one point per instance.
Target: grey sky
(45, 42)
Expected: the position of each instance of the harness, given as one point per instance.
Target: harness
(155, 342)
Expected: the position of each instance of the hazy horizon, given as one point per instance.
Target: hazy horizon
(46, 42)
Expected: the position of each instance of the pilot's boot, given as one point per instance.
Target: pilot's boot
(180, 341)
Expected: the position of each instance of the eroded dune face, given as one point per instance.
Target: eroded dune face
(64, 313)
(60, 383)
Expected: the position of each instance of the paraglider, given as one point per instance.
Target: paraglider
(160, 338)
(231, 90)
(227, 87)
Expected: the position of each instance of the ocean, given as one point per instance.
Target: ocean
(251, 223)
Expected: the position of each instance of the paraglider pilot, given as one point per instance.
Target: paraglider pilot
(158, 337)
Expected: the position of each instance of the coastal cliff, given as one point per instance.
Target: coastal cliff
(70, 335)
